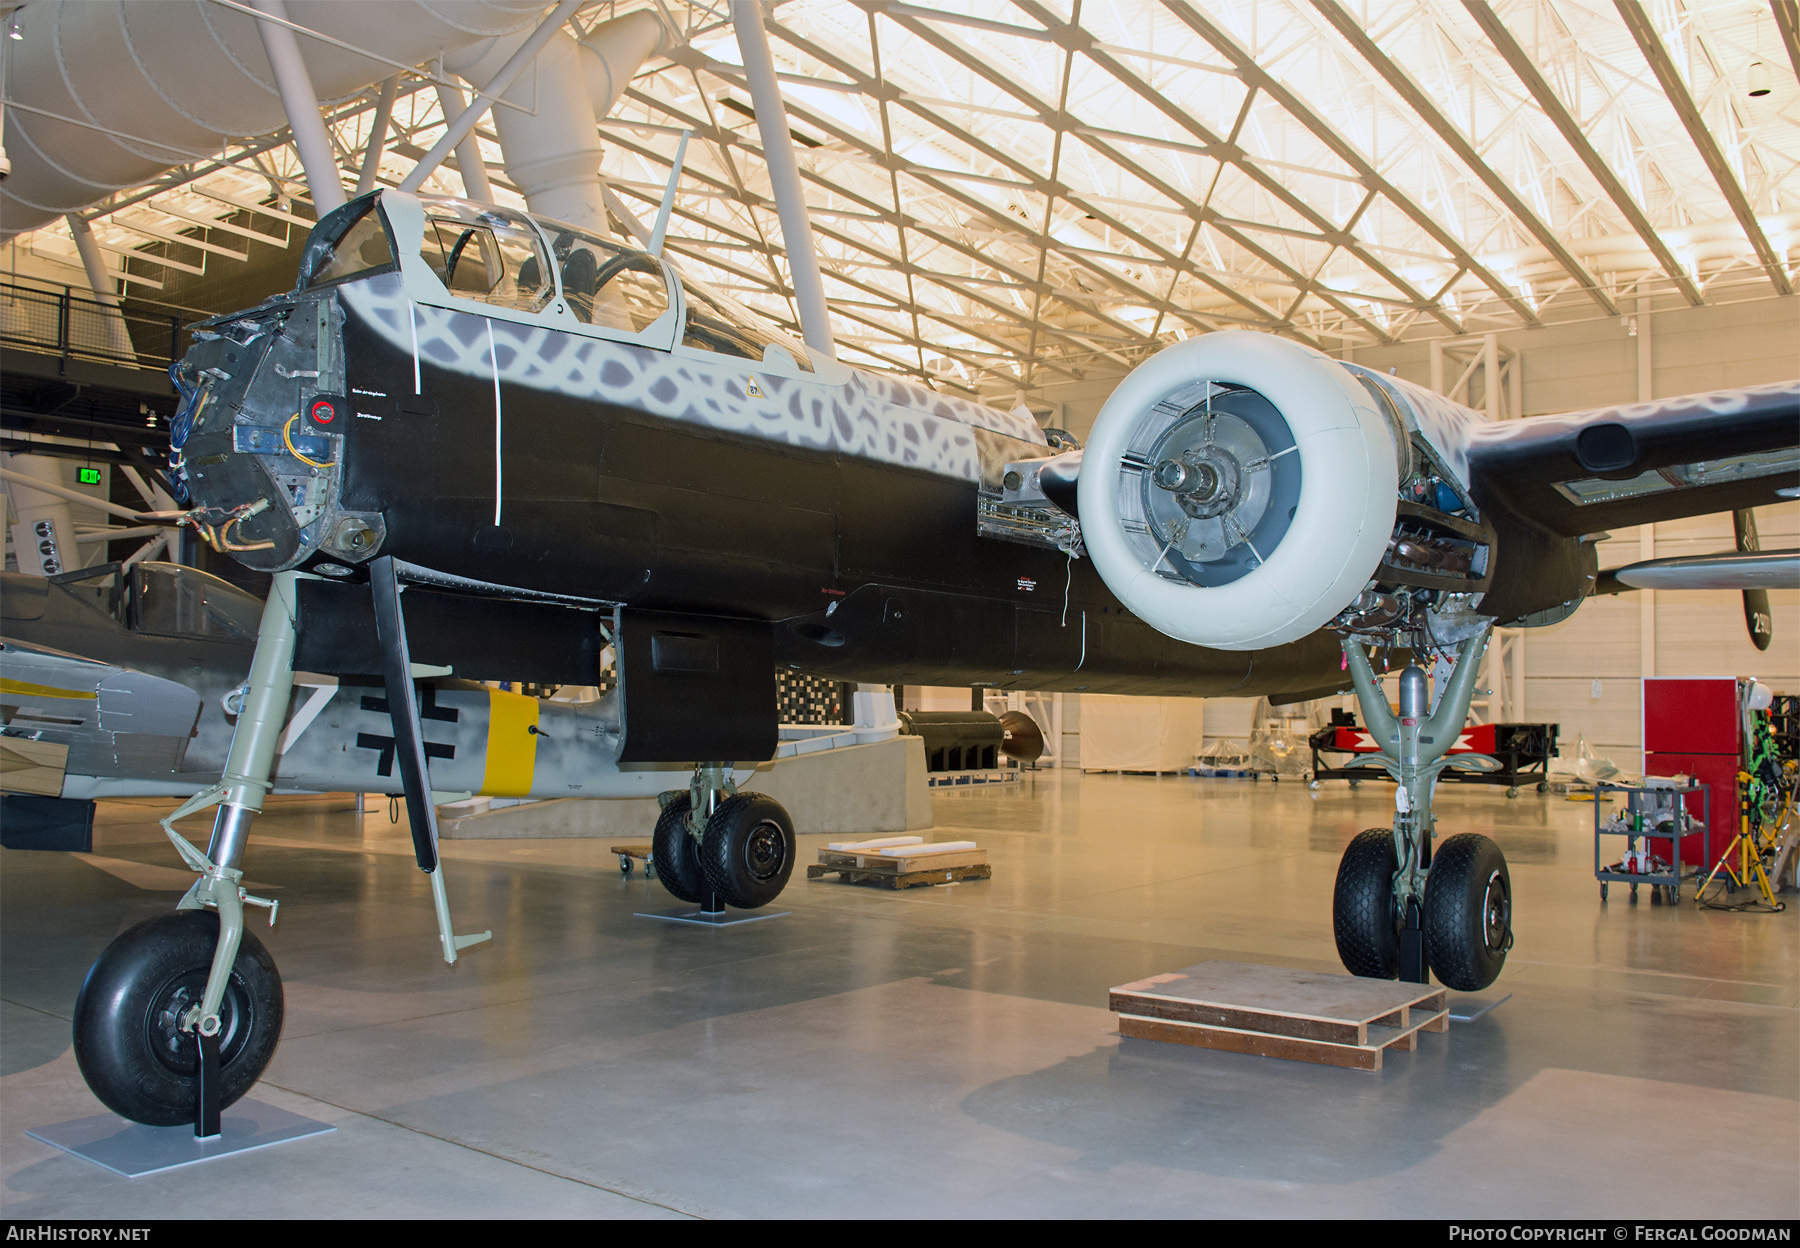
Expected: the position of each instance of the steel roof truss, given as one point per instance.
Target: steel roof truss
(1639, 24)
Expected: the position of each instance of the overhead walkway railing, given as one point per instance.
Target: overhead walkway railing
(49, 319)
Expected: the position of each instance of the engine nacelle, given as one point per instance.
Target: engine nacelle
(1238, 490)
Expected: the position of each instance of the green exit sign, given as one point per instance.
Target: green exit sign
(88, 476)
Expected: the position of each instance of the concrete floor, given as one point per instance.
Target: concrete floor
(940, 1052)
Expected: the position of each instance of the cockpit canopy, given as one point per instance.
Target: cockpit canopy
(534, 265)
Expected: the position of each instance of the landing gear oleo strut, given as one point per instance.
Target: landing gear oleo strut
(180, 1014)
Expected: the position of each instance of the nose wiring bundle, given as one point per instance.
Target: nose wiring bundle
(218, 532)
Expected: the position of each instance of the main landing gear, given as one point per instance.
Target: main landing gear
(717, 847)
(1399, 910)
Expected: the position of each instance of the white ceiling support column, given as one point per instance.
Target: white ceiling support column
(378, 134)
(155, 497)
(1787, 21)
(117, 336)
(1347, 25)
(468, 150)
(784, 176)
(1490, 366)
(149, 550)
(48, 483)
(1646, 390)
(623, 212)
(1503, 662)
(465, 121)
(302, 105)
(1506, 676)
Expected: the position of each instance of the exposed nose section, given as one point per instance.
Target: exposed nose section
(260, 436)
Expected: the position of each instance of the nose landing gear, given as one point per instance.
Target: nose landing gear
(137, 1039)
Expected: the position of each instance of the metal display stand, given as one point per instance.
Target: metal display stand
(712, 913)
(132, 1149)
(1648, 811)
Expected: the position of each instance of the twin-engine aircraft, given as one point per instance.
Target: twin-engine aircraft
(552, 444)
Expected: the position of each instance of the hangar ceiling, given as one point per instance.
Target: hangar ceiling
(1006, 195)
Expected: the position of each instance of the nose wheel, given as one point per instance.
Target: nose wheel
(135, 1039)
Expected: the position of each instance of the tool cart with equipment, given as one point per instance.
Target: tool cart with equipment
(1657, 810)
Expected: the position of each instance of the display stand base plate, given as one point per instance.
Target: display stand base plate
(133, 1150)
(710, 918)
(1466, 1009)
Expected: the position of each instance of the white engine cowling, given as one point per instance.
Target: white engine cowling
(1238, 490)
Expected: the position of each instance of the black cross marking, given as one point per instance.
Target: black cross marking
(428, 707)
(384, 765)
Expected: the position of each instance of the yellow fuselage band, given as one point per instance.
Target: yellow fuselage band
(511, 744)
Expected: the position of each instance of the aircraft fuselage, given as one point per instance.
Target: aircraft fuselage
(508, 452)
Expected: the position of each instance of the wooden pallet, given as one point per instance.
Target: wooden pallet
(1272, 1011)
(900, 862)
(902, 879)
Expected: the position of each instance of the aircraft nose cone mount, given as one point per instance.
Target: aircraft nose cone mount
(261, 438)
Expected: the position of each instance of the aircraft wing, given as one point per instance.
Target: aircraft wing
(1584, 472)
(107, 718)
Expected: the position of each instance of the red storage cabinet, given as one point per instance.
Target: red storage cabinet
(1693, 726)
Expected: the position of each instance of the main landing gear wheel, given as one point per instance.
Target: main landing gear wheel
(676, 856)
(748, 851)
(1468, 912)
(1362, 906)
(128, 1040)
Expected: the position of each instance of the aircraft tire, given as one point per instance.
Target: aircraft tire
(1362, 906)
(675, 854)
(1468, 912)
(134, 1058)
(748, 851)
